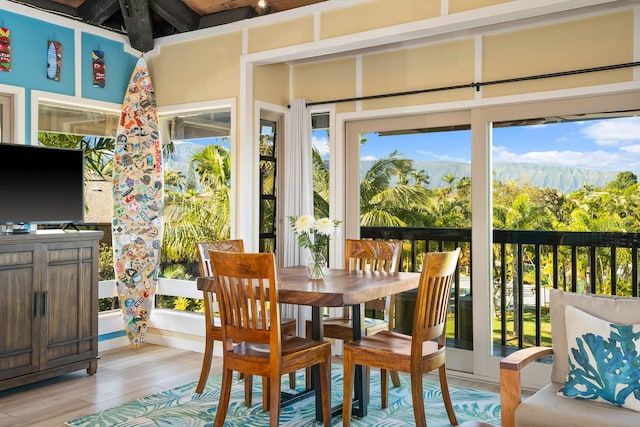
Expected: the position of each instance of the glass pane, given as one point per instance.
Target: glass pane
(572, 173)
(197, 172)
(321, 164)
(53, 118)
(421, 178)
(414, 179)
(6, 118)
(267, 208)
(267, 245)
(268, 185)
(188, 126)
(267, 178)
(267, 138)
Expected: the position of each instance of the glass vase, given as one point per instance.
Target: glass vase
(316, 264)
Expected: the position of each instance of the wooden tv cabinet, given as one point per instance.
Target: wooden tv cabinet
(48, 305)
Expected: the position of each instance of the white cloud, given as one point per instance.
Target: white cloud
(614, 132)
(448, 158)
(588, 159)
(368, 158)
(633, 149)
(321, 145)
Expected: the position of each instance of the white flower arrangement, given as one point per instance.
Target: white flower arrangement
(313, 233)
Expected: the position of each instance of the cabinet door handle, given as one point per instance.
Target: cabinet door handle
(37, 305)
(45, 303)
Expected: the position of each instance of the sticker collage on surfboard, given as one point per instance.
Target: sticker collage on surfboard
(138, 202)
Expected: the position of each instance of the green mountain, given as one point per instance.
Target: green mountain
(564, 179)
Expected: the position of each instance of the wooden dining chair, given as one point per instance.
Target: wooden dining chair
(213, 330)
(416, 354)
(247, 291)
(373, 255)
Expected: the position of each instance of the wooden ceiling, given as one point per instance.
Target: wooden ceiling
(145, 20)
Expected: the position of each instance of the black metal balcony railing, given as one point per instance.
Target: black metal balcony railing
(524, 264)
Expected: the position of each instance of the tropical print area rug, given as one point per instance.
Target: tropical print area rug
(181, 406)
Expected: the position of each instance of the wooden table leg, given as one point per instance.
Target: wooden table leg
(316, 334)
(361, 386)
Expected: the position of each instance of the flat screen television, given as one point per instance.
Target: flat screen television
(41, 185)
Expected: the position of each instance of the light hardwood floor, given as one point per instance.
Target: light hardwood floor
(123, 375)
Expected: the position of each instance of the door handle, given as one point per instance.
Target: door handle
(45, 303)
(37, 305)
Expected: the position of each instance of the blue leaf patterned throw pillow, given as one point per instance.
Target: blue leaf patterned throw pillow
(604, 360)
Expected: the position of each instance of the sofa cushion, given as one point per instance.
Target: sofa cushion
(546, 409)
(620, 310)
(604, 360)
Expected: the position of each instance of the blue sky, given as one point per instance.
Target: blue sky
(612, 145)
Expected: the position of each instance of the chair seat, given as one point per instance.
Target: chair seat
(288, 326)
(290, 345)
(341, 328)
(547, 408)
(386, 342)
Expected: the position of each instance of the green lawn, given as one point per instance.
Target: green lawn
(529, 329)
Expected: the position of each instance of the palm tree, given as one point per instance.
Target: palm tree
(174, 179)
(191, 216)
(384, 202)
(321, 187)
(213, 166)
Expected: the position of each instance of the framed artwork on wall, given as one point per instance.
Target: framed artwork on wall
(54, 60)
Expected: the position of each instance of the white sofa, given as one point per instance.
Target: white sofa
(546, 408)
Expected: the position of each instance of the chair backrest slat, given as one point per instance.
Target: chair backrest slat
(432, 300)
(375, 255)
(235, 245)
(246, 284)
(204, 263)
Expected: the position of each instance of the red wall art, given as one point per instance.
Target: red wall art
(97, 58)
(5, 49)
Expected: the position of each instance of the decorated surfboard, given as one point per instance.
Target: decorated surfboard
(137, 204)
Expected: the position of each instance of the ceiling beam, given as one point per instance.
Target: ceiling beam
(176, 13)
(137, 21)
(96, 12)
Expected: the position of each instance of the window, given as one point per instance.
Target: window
(268, 185)
(6, 118)
(197, 172)
(320, 163)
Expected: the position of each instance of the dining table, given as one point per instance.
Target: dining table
(341, 288)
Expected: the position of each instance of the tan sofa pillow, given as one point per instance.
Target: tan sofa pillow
(621, 310)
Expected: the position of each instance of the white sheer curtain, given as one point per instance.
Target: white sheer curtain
(298, 194)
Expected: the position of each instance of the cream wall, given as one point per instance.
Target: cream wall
(198, 70)
(288, 33)
(326, 80)
(271, 84)
(426, 67)
(456, 6)
(570, 45)
(375, 14)
(209, 68)
(583, 43)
